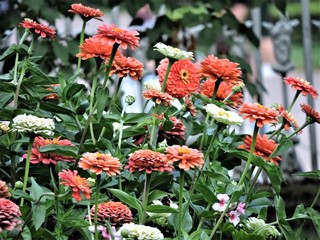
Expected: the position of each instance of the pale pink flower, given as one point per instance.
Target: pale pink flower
(241, 208)
(222, 204)
(234, 217)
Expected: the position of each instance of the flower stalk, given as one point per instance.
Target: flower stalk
(98, 182)
(84, 23)
(181, 187)
(145, 196)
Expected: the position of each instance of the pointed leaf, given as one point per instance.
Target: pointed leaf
(311, 174)
(127, 199)
(50, 107)
(161, 209)
(60, 150)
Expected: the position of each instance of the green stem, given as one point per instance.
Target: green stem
(81, 41)
(314, 200)
(229, 96)
(256, 176)
(163, 86)
(27, 167)
(216, 87)
(294, 100)
(145, 196)
(117, 90)
(201, 221)
(98, 179)
(181, 187)
(113, 53)
(15, 71)
(89, 219)
(204, 133)
(298, 130)
(154, 130)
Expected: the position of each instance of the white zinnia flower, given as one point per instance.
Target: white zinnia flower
(31, 124)
(260, 227)
(172, 52)
(152, 84)
(222, 115)
(141, 232)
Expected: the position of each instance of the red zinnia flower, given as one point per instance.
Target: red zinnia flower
(86, 12)
(115, 212)
(99, 162)
(259, 113)
(313, 115)
(224, 90)
(288, 119)
(158, 97)
(78, 184)
(183, 77)
(187, 157)
(9, 213)
(149, 161)
(124, 66)
(302, 85)
(263, 148)
(47, 158)
(223, 69)
(37, 28)
(113, 34)
(4, 191)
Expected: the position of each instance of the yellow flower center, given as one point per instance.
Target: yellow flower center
(77, 180)
(182, 151)
(184, 75)
(117, 29)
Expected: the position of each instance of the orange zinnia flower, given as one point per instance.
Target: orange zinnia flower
(259, 113)
(113, 34)
(9, 215)
(187, 157)
(124, 66)
(38, 29)
(302, 85)
(313, 115)
(183, 77)
(263, 148)
(158, 97)
(95, 47)
(115, 212)
(4, 191)
(86, 12)
(224, 90)
(288, 119)
(47, 158)
(99, 162)
(78, 184)
(149, 161)
(222, 69)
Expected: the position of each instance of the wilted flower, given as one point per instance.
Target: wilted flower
(171, 52)
(86, 12)
(141, 232)
(4, 191)
(78, 184)
(260, 227)
(222, 204)
(312, 115)
(189, 106)
(31, 124)
(222, 115)
(158, 97)
(178, 130)
(301, 85)
(4, 128)
(38, 29)
(288, 119)
(127, 66)
(9, 215)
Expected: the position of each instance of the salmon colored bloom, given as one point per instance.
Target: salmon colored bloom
(47, 158)
(288, 119)
(38, 28)
(189, 106)
(263, 148)
(312, 114)
(9, 215)
(123, 66)
(224, 90)
(100, 162)
(187, 157)
(4, 191)
(222, 69)
(113, 34)
(259, 113)
(183, 78)
(78, 184)
(115, 212)
(86, 12)
(302, 85)
(158, 97)
(148, 161)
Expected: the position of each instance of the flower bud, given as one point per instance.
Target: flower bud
(130, 99)
(91, 181)
(238, 88)
(4, 128)
(18, 185)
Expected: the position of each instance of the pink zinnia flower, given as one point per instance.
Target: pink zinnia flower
(9, 215)
(302, 85)
(38, 28)
(86, 12)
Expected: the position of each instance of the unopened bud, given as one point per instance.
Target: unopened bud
(4, 128)
(18, 185)
(130, 99)
(238, 88)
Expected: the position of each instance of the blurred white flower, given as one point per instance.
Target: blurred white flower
(152, 84)
(260, 227)
(222, 115)
(141, 232)
(171, 52)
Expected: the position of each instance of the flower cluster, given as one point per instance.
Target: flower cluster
(136, 231)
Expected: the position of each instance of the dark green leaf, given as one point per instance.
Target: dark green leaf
(275, 175)
(14, 48)
(72, 89)
(242, 235)
(207, 193)
(161, 209)
(280, 208)
(127, 198)
(50, 107)
(60, 150)
(168, 125)
(286, 229)
(217, 176)
(35, 5)
(311, 174)
(281, 5)
(315, 217)
(102, 100)
(283, 146)
(199, 234)
(61, 52)
(136, 117)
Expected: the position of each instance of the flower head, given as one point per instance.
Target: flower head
(113, 34)
(222, 115)
(259, 113)
(234, 217)
(288, 119)
(141, 232)
(187, 157)
(31, 124)
(260, 227)
(115, 212)
(263, 147)
(38, 28)
(302, 85)
(123, 66)
(183, 78)
(312, 115)
(153, 84)
(222, 204)
(171, 52)
(4, 191)
(189, 106)
(241, 208)
(86, 12)
(4, 128)
(158, 97)
(78, 184)
(100, 162)
(47, 158)
(9, 215)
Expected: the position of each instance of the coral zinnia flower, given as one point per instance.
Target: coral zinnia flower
(158, 97)
(189, 106)
(115, 212)
(99, 162)
(78, 184)
(263, 148)
(113, 34)
(222, 69)
(149, 161)
(124, 66)
(183, 77)
(9, 213)
(259, 113)
(187, 157)
(95, 47)
(47, 158)
(4, 191)
(224, 90)
(313, 115)
(288, 119)
(86, 12)
(302, 85)
(38, 29)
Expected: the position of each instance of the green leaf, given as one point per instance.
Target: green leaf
(282, 147)
(26, 233)
(136, 117)
(199, 234)
(206, 192)
(127, 199)
(72, 89)
(35, 190)
(17, 194)
(37, 72)
(14, 48)
(217, 176)
(38, 214)
(315, 217)
(61, 52)
(60, 150)
(280, 208)
(286, 229)
(161, 209)
(50, 107)
(173, 219)
(102, 100)
(311, 174)
(275, 175)
(231, 188)
(35, 5)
